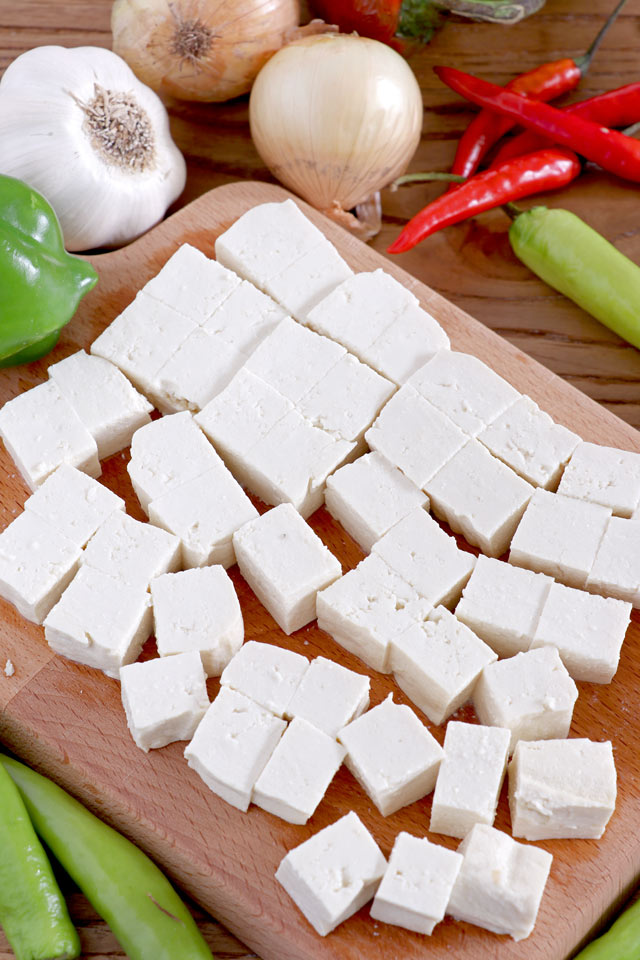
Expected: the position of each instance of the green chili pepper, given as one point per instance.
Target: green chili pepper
(40, 283)
(32, 909)
(573, 258)
(128, 891)
(620, 942)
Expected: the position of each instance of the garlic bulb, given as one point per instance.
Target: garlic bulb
(335, 118)
(82, 130)
(200, 49)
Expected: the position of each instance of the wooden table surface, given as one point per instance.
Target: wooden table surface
(470, 264)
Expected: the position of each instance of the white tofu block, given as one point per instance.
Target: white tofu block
(285, 563)
(131, 551)
(73, 504)
(329, 696)
(531, 694)
(245, 318)
(167, 453)
(470, 778)
(417, 884)
(204, 513)
(333, 873)
(110, 408)
(480, 498)
(199, 369)
(37, 563)
(465, 388)
(198, 610)
(268, 674)
(559, 536)
(527, 440)
(369, 496)
(425, 556)
(616, 568)
(437, 663)
(307, 281)
(392, 755)
(232, 745)
(502, 604)
(500, 884)
(100, 620)
(192, 284)
(561, 788)
(164, 700)
(405, 346)
(366, 608)
(604, 475)
(587, 631)
(41, 430)
(347, 399)
(298, 772)
(414, 436)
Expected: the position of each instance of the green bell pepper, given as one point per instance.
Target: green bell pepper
(40, 283)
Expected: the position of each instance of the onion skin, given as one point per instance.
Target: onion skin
(237, 37)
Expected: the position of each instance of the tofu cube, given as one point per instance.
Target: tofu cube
(407, 344)
(559, 536)
(527, 440)
(199, 369)
(604, 475)
(369, 496)
(587, 631)
(329, 696)
(561, 788)
(470, 778)
(131, 551)
(392, 755)
(198, 610)
(531, 694)
(232, 745)
(308, 280)
(268, 674)
(41, 430)
(503, 603)
(416, 885)
(164, 700)
(437, 663)
(480, 498)
(500, 884)
(192, 283)
(616, 569)
(298, 772)
(333, 873)
(245, 318)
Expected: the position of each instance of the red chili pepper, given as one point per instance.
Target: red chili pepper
(612, 150)
(533, 173)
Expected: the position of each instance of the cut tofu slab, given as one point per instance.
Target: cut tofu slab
(104, 400)
(198, 610)
(333, 873)
(268, 674)
(245, 318)
(41, 430)
(369, 496)
(561, 788)
(192, 283)
(200, 368)
(527, 440)
(479, 497)
(437, 663)
(300, 286)
(232, 745)
(587, 630)
(500, 884)
(285, 563)
(470, 778)
(616, 568)
(164, 700)
(503, 603)
(366, 608)
(329, 696)
(416, 885)
(130, 551)
(531, 694)
(298, 773)
(37, 562)
(392, 755)
(559, 536)
(604, 475)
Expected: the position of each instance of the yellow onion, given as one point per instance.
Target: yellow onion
(336, 117)
(200, 49)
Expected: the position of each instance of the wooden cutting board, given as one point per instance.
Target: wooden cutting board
(68, 721)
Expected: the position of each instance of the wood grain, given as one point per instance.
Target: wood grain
(67, 719)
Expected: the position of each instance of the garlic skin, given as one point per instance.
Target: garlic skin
(78, 126)
(335, 118)
(207, 50)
